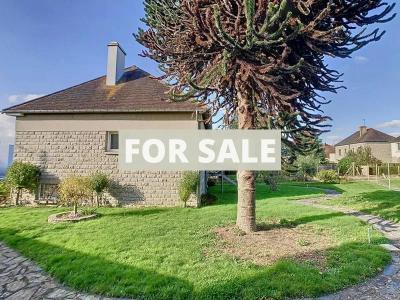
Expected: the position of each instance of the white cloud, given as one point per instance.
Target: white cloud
(16, 99)
(361, 59)
(390, 124)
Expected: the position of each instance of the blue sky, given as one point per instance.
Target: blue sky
(48, 45)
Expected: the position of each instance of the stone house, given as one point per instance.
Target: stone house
(75, 132)
(379, 142)
(396, 150)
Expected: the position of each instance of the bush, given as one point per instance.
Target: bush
(328, 176)
(344, 165)
(270, 179)
(208, 199)
(23, 176)
(4, 191)
(307, 165)
(99, 183)
(75, 190)
(188, 185)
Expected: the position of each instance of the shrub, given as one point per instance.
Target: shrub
(4, 191)
(188, 185)
(328, 176)
(88, 211)
(307, 165)
(208, 199)
(344, 165)
(270, 179)
(99, 183)
(23, 176)
(75, 190)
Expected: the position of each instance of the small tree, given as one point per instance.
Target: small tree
(21, 176)
(4, 191)
(362, 156)
(307, 166)
(188, 185)
(75, 190)
(99, 183)
(270, 179)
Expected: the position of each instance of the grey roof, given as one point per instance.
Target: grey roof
(137, 91)
(370, 136)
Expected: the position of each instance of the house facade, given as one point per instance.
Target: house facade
(381, 144)
(396, 150)
(75, 132)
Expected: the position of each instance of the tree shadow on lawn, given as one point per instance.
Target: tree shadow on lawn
(386, 203)
(349, 264)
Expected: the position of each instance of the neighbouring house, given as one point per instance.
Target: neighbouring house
(329, 151)
(75, 132)
(379, 142)
(396, 150)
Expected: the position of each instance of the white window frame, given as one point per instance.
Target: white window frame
(108, 148)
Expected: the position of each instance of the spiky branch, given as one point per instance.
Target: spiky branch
(211, 50)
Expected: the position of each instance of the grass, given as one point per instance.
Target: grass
(370, 198)
(158, 253)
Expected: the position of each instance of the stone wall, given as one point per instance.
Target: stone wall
(381, 151)
(60, 154)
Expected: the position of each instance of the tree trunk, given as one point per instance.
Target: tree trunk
(17, 197)
(246, 208)
(75, 208)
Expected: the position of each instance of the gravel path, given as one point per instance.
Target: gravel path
(385, 286)
(21, 279)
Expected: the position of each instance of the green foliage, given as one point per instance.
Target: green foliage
(99, 183)
(344, 165)
(74, 191)
(328, 176)
(307, 165)
(188, 185)
(22, 175)
(270, 179)
(88, 211)
(4, 191)
(362, 156)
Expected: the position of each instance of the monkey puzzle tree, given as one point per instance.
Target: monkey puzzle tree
(262, 61)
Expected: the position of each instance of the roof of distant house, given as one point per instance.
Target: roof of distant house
(397, 140)
(137, 91)
(370, 135)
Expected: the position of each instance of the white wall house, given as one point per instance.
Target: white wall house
(396, 150)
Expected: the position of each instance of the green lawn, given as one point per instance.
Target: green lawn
(371, 198)
(159, 253)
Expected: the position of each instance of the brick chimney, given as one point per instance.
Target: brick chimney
(115, 63)
(363, 130)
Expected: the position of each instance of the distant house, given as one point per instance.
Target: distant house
(76, 131)
(396, 150)
(381, 144)
(329, 152)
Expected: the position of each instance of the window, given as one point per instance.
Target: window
(398, 146)
(340, 152)
(112, 142)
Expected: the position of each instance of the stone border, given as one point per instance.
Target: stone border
(53, 219)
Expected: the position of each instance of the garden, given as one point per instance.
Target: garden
(186, 253)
